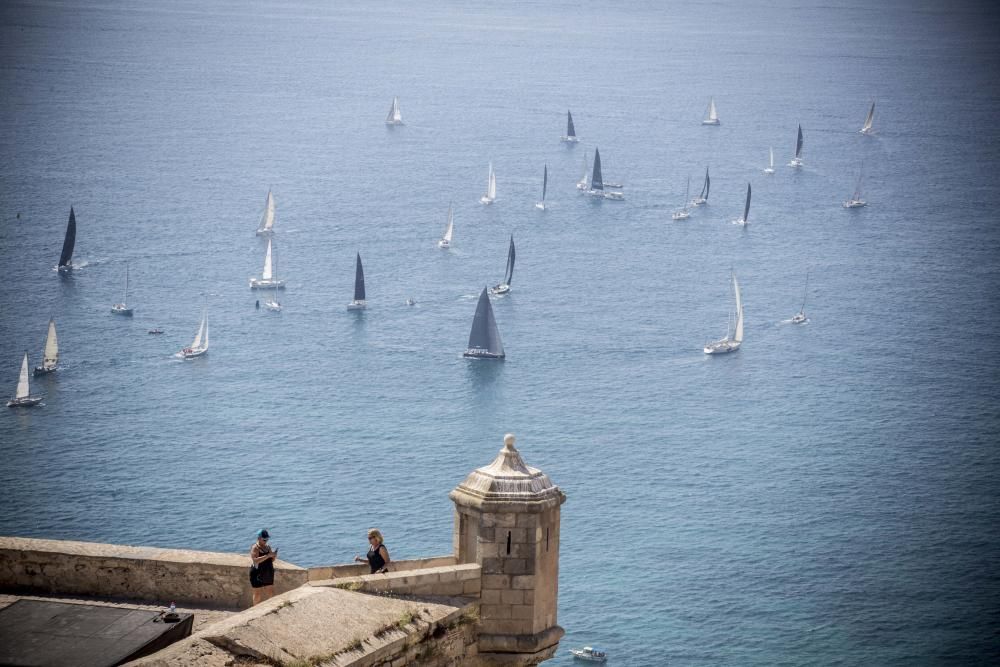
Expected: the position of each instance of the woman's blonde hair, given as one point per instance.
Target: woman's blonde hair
(374, 532)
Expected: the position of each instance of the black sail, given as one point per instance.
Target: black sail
(570, 130)
(484, 339)
(359, 281)
(509, 273)
(597, 181)
(69, 241)
(708, 185)
(798, 144)
(746, 208)
(545, 181)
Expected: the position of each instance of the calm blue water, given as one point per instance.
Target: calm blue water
(828, 495)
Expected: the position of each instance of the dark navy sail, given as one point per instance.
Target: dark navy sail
(359, 281)
(545, 181)
(70, 241)
(509, 274)
(570, 130)
(597, 180)
(746, 208)
(706, 187)
(798, 144)
(484, 339)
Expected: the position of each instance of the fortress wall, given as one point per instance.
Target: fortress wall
(137, 573)
(450, 580)
(323, 572)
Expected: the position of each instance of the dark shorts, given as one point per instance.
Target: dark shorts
(262, 576)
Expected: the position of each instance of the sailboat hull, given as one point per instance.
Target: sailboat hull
(121, 309)
(570, 140)
(698, 201)
(26, 402)
(486, 200)
(42, 370)
(723, 346)
(540, 206)
(444, 244)
(357, 305)
(799, 318)
(680, 215)
(855, 203)
(476, 353)
(264, 232)
(768, 170)
(796, 162)
(191, 354)
(499, 290)
(710, 122)
(266, 284)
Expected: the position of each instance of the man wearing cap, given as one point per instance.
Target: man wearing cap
(262, 569)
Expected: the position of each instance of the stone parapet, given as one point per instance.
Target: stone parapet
(322, 572)
(136, 573)
(452, 580)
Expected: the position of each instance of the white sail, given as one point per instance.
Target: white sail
(451, 227)
(267, 220)
(51, 355)
(22, 381)
(202, 333)
(867, 128)
(713, 116)
(205, 342)
(395, 117)
(266, 274)
(491, 190)
(771, 163)
(738, 335)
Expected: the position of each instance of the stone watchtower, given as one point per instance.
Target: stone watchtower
(507, 521)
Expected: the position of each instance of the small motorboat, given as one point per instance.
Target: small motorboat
(155, 331)
(589, 654)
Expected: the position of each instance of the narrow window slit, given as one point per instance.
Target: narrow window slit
(508, 542)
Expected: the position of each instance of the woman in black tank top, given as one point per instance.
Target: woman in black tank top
(378, 555)
(262, 567)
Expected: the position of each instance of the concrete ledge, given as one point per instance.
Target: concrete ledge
(134, 573)
(451, 580)
(323, 572)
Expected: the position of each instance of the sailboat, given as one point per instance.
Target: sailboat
(800, 317)
(69, 242)
(22, 397)
(746, 210)
(683, 213)
(856, 201)
(797, 160)
(584, 183)
(730, 343)
(268, 278)
(769, 169)
(713, 116)
(504, 287)
(867, 127)
(545, 185)
(445, 241)
(199, 345)
(597, 182)
(702, 197)
(491, 188)
(50, 355)
(122, 308)
(359, 287)
(273, 304)
(267, 217)
(570, 130)
(394, 117)
(484, 339)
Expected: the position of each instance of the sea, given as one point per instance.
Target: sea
(827, 495)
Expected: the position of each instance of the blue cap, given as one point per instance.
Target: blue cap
(263, 533)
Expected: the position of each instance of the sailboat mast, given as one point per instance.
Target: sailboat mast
(545, 181)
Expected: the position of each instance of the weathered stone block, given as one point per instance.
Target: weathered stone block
(493, 566)
(527, 520)
(471, 587)
(506, 519)
(518, 536)
(488, 550)
(514, 566)
(512, 597)
(494, 611)
(529, 597)
(487, 533)
(490, 596)
(522, 611)
(522, 582)
(495, 581)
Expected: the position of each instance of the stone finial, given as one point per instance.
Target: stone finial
(508, 479)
